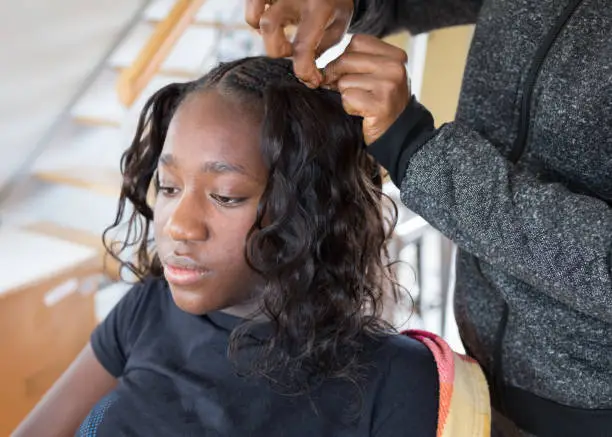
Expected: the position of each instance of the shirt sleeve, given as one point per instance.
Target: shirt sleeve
(113, 338)
(542, 233)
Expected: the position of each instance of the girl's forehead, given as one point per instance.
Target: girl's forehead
(216, 114)
(210, 127)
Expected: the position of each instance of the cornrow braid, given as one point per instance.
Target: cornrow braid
(214, 76)
(252, 75)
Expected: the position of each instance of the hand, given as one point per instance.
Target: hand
(371, 77)
(320, 25)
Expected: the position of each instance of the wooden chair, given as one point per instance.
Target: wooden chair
(46, 315)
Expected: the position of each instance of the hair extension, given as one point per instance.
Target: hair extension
(321, 247)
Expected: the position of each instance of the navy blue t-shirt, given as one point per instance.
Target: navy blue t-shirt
(175, 379)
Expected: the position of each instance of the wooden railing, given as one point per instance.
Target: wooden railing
(135, 78)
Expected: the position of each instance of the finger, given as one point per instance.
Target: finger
(253, 12)
(359, 102)
(382, 90)
(333, 35)
(386, 93)
(356, 63)
(365, 82)
(375, 46)
(272, 25)
(307, 41)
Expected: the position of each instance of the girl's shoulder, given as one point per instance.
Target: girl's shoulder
(405, 386)
(462, 392)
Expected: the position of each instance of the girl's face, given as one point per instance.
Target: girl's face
(211, 177)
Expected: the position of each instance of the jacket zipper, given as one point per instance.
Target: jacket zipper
(518, 148)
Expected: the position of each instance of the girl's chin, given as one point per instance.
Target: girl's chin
(192, 301)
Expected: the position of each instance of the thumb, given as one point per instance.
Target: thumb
(361, 103)
(372, 130)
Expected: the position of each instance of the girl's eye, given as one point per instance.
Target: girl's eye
(167, 191)
(227, 201)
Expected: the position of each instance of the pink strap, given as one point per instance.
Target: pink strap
(443, 356)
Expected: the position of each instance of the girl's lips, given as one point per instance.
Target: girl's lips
(184, 276)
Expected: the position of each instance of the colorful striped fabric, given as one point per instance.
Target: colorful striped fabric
(464, 409)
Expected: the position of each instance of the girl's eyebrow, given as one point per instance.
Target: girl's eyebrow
(222, 167)
(218, 167)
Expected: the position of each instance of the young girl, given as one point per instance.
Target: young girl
(258, 309)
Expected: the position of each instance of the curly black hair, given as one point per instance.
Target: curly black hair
(322, 245)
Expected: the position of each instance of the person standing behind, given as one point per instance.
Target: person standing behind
(521, 180)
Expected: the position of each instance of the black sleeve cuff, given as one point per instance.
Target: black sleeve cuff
(412, 129)
(113, 362)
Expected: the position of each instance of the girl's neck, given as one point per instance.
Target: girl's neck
(250, 309)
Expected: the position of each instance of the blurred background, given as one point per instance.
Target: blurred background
(73, 77)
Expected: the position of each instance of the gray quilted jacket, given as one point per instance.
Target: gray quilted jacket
(522, 182)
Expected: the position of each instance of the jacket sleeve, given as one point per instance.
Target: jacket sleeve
(383, 17)
(555, 240)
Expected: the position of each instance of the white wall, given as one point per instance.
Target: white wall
(47, 48)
